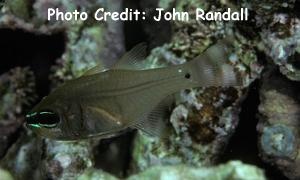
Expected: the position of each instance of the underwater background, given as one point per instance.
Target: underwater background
(250, 132)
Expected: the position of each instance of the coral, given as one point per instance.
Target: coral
(278, 140)
(15, 86)
(279, 111)
(231, 170)
(278, 28)
(201, 120)
(66, 160)
(17, 90)
(86, 45)
(19, 8)
(5, 175)
(198, 136)
(96, 174)
(282, 45)
(23, 157)
(83, 52)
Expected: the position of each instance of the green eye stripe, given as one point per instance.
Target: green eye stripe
(30, 115)
(42, 119)
(35, 113)
(42, 125)
(46, 113)
(35, 125)
(47, 125)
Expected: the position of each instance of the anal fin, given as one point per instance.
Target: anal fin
(154, 123)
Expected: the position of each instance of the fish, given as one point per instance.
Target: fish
(106, 102)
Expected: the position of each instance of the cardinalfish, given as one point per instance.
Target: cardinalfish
(106, 102)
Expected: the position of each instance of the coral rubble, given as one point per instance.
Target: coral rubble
(17, 90)
(231, 170)
(201, 121)
(279, 135)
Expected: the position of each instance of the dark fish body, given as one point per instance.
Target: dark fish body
(105, 103)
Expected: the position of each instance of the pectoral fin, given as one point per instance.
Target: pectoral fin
(100, 120)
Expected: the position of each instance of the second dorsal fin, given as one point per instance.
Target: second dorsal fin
(97, 69)
(132, 59)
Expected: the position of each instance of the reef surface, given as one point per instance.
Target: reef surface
(201, 122)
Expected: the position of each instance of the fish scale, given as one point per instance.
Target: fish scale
(104, 103)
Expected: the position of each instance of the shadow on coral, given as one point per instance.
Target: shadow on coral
(243, 145)
(19, 48)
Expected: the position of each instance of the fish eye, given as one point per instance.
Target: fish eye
(187, 75)
(46, 118)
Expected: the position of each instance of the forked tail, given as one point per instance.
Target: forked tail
(212, 69)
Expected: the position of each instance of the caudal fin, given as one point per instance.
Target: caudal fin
(212, 68)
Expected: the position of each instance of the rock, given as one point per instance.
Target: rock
(282, 44)
(86, 45)
(279, 135)
(230, 170)
(23, 157)
(17, 90)
(66, 160)
(19, 8)
(279, 32)
(5, 175)
(197, 137)
(94, 174)
(203, 119)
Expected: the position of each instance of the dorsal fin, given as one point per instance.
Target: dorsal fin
(130, 60)
(133, 58)
(153, 124)
(94, 70)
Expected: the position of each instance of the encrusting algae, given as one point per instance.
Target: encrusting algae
(200, 122)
